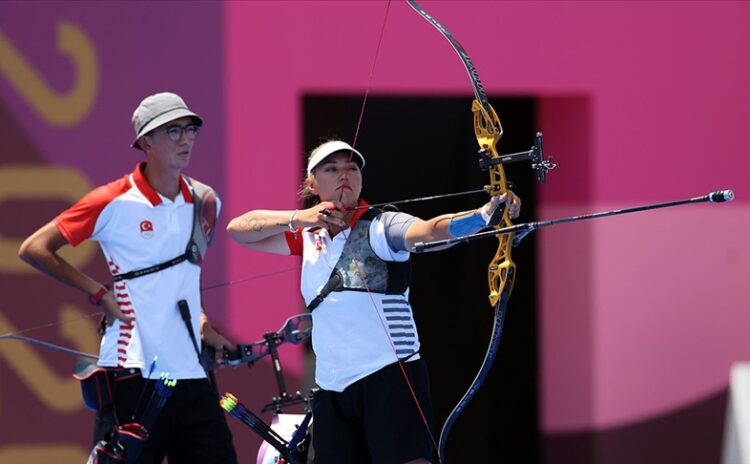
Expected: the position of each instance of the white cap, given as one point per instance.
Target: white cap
(327, 149)
(157, 110)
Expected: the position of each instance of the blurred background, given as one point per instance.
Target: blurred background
(620, 332)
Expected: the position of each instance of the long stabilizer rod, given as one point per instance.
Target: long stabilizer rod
(522, 230)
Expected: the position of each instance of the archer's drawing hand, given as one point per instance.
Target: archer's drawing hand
(325, 214)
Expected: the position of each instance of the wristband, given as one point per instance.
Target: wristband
(96, 298)
(466, 225)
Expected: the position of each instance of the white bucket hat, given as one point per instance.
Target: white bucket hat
(327, 149)
(157, 110)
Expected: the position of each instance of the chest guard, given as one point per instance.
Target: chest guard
(359, 260)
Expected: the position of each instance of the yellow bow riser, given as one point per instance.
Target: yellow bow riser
(501, 270)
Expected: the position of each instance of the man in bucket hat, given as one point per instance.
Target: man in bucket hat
(145, 225)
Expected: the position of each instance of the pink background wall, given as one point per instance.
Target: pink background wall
(640, 102)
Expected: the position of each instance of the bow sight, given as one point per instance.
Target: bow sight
(535, 155)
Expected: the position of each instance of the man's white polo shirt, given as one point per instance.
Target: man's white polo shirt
(137, 228)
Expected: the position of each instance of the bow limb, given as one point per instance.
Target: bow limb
(18, 334)
(48, 345)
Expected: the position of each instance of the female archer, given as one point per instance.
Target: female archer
(355, 280)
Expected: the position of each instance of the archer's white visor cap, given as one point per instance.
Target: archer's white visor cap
(329, 148)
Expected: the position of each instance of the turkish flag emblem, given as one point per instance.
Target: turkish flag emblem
(147, 229)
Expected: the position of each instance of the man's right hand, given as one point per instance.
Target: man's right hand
(112, 310)
(40, 250)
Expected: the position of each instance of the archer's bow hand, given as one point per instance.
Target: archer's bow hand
(492, 211)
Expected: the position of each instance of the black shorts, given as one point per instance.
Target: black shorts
(190, 428)
(375, 420)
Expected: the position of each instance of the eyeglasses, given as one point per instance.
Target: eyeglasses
(175, 132)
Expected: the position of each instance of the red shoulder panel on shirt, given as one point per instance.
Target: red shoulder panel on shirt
(360, 212)
(294, 241)
(77, 223)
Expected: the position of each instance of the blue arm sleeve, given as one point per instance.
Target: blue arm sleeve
(466, 225)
